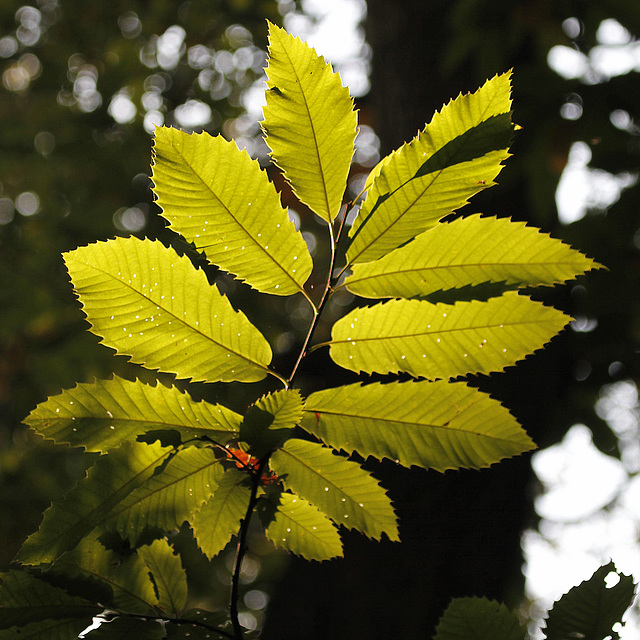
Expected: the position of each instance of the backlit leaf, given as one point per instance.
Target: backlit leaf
(115, 580)
(219, 518)
(168, 575)
(300, 528)
(591, 609)
(151, 304)
(25, 599)
(171, 496)
(217, 197)
(111, 479)
(479, 619)
(435, 425)
(469, 252)
(443, 341)
(457, 154)
(102, 415)
(309, 122)
(340, 488)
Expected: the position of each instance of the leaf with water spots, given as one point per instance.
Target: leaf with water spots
(435, 425)
(469, 252)
(348, 494)
(309, 121)
(102, 415)
(459, 153)
(147, 302)
(304, 530)
(217, 197)
(218, 520)
(443, 341)
(170, 497)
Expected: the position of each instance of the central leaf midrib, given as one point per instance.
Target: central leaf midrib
(233, 217)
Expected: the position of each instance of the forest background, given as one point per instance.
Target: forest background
(83, 85)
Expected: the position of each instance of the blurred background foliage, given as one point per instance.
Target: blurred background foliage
(83, 85)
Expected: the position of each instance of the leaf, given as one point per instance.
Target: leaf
(170, 497)
(217, 197)
(300, 528)
(456, 155)
(25, 599)
(168, 575)
(591, 609)
(50, 629)
(309, 122)
(115, 580)
(206, 628)
(112, 478)
(340, 488)
(435, 425)
(153, 305)
(443, 341)
(102, 415)
(269, 422)
(478, 619)
(124, 627)
(469, 252)
(219, 518)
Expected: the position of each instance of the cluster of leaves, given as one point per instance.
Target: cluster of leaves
(162, 459)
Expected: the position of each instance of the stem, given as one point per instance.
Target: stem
(317, 310)
(242, 550)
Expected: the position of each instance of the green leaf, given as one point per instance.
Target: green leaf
(123, 627)
(24, 599)
(153, 305)
(170, 497)
(300, 528)
(435, 425)
(102, 415)
(168, 575)
(271, 420)
(340, 488)
(443, 341)
(219, 518)
(49, 629)
(217, 197)
(115, 580)
(206, 629)
(112, 478)
(591, 609)
(309, 122)
(457, 154)
(469, 252)
(479, 619)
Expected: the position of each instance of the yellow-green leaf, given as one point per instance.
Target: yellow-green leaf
(168, 575)
(102, 415)
(147, 302)
(457, 154)
(309, 122)
(219, 518)
(217, 197)
(304, 530)
(443, 341)
(469, 252)
(435, 425)
(111, 479)
(348, 494)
